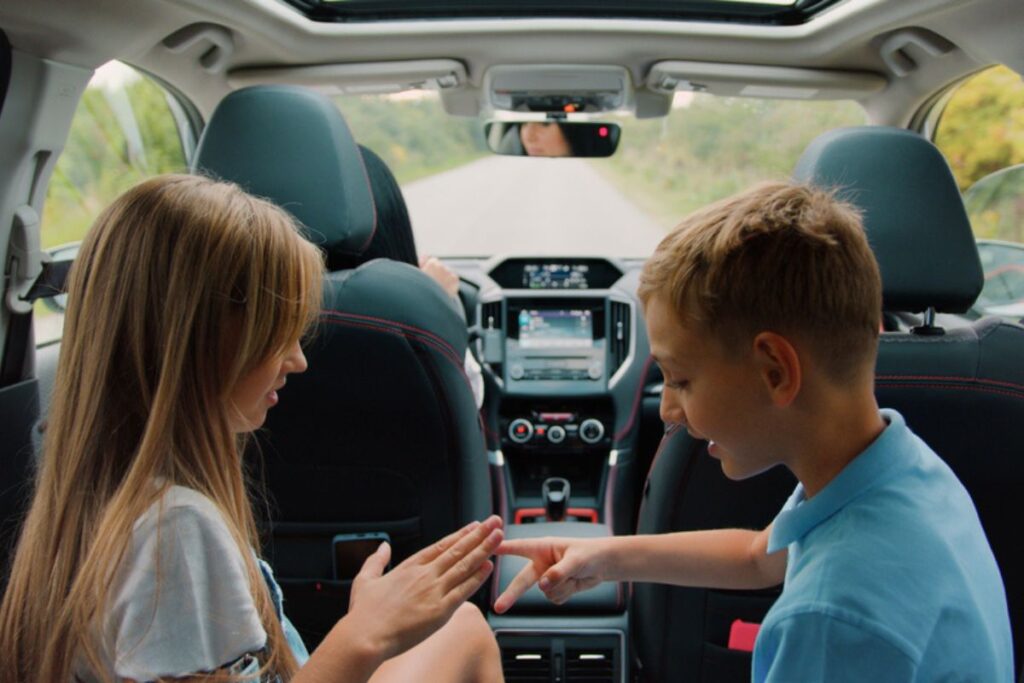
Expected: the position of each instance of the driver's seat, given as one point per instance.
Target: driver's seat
(381, 434)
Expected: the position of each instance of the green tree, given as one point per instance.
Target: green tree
(101, 159)
(982, 127)
(713, 147)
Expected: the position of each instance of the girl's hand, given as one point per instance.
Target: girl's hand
(400, 609)
(559, 566)
(444, 275)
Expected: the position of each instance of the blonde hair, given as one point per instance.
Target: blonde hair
(779, 257)
(182, 286)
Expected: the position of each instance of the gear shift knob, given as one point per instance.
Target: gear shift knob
(555, 491)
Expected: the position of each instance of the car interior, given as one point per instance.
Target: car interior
(382, 438)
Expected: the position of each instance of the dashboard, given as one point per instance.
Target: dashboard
(562, 341)
(556, 327)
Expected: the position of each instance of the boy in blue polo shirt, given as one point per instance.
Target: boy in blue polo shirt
(763, 313)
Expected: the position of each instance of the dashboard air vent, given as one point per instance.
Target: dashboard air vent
(490, 315)
(618, 335)
(526, 665)
(491, 320)
(590, 665)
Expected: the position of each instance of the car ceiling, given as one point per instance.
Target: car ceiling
(268, 33)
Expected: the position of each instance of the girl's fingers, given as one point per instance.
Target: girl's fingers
(433, 551)
(375, 564)
(465, 545)
(471, 585)
(468, 565)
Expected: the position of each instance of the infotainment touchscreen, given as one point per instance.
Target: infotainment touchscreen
(567, 329)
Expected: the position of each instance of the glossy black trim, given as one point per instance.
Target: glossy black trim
(707, 10)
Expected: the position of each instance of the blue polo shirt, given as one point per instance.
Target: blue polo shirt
(889, 577)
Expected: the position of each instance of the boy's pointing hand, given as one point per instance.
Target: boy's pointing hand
(560, 567)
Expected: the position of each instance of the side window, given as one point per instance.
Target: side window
(126, 128)
(981, 133)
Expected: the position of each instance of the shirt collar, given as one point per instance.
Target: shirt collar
(799, 515)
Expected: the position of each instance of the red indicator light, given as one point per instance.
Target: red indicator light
(541, 430)
(569, 108)
(603, 131)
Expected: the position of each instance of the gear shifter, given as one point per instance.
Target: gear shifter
(555, 491)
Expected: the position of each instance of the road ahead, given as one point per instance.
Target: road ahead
(511, 205)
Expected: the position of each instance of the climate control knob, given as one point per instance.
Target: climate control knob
(520, 430)
(591, 430)
(556, 434)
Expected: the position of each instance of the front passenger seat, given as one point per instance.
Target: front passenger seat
(961, 388)
(381, 433)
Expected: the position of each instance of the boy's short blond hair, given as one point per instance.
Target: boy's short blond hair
(779, 257)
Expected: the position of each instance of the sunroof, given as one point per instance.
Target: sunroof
(782, 12)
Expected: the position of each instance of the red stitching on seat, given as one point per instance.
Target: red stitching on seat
(982, 390)
(636, 401)
(940, 378)
(446, 351)
(395, 323)
(383, 325)
(669, 433)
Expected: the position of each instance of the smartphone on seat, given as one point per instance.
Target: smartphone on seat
(351, 551)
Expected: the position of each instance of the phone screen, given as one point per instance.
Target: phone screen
(351, 551)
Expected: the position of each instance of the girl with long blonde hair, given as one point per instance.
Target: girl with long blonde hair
(137, 560)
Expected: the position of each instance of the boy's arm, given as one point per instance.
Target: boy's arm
(722, 558)
(719, 558)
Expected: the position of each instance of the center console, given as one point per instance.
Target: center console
(583, 640)
(558, 339)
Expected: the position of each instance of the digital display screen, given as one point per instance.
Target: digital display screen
(555, 275)
(567, 329)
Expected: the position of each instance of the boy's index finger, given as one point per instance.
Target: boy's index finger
(524, 547)
(522, 582)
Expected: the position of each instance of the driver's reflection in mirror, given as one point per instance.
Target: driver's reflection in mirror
(544, 139)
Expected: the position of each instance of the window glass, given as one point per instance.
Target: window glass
(465, 201)
(126, 128)
(981, 133)
(771, 12)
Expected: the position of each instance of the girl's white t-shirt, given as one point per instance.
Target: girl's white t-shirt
(180, 602)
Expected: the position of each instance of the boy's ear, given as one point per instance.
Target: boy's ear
(779, 366)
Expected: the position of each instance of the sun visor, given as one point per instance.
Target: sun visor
(772, 82)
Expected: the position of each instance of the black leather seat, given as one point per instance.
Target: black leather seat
(682, 634)
(961, 390)
(382, 432)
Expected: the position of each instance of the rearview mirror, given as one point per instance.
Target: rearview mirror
(552, 138)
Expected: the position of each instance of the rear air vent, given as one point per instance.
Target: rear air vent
(526, 665)
(618, 335)
(589, 665)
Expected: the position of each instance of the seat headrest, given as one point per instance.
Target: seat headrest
(913, 213)
(292, 146)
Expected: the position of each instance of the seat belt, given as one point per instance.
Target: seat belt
(50, 282)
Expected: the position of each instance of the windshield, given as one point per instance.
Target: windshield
(464, 201)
